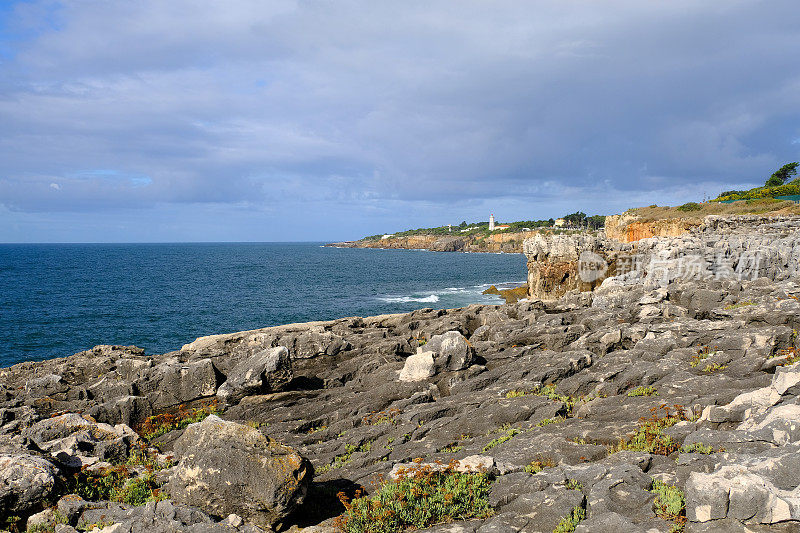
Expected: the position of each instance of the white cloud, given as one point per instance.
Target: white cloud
(247, 103)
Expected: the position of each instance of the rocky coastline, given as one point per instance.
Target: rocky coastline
(505, 242)
(640, 397)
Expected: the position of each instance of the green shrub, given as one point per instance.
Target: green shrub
(570, 522)
(669, 504)
(423, 496)
(690, 206)
(140, 490)
(117, 483)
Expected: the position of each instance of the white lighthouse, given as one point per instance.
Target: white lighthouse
(491, 222)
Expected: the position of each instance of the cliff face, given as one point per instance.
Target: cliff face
(498, 242)
(554, 263)
(733, 247)
(629, 228)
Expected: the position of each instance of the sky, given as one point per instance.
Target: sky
(316, 120)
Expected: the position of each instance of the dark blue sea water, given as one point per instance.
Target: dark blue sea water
(58, 299)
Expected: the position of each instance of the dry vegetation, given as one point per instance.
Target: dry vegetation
(744, 207)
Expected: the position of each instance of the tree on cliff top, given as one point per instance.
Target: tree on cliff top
(782, 175)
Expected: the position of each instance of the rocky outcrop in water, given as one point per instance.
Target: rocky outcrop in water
(652, 403)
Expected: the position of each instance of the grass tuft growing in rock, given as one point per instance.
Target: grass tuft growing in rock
(421, 497)
(643, 391)
(510, 433)
(571, 521)
(699, 447)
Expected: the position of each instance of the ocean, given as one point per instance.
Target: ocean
(58, 299)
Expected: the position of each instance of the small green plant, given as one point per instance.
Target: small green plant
(515, 393)
(509, 434)
(714, 367)
(548, 421)
(698, 447)
(141, 457)
(453, 448)
(702, 354)
(341, 460)
(669, 503)
(549, 391)
(643, 391)
(539, 464)
(571, 521)
(573, 484)
(421, 497)
(157, 425)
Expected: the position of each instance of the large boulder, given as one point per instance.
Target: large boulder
(225, 468)
(452, 351)
(26, 481)
(418, 367)
(265, 371)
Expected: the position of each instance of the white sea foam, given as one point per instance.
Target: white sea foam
(405, 299)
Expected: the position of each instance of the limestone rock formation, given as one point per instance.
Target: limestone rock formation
(266, 370)
(225, 468)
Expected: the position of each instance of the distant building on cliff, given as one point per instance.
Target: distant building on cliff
(560, 223)
(493, 226)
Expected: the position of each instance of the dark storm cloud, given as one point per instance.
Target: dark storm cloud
(133, 104)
